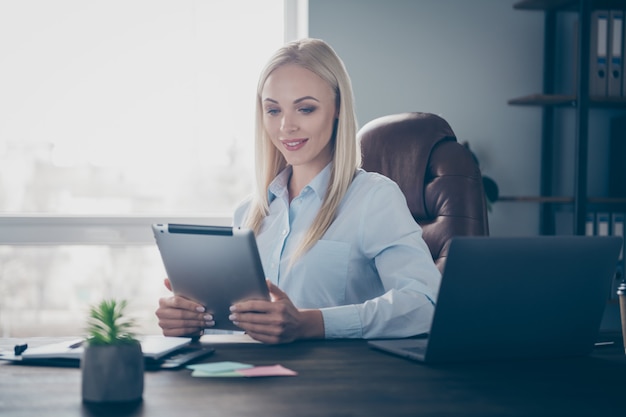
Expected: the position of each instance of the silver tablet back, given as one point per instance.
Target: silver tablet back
(213, 265)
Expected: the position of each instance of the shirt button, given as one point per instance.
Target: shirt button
(284, 232)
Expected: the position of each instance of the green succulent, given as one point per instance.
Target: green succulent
(107, 324)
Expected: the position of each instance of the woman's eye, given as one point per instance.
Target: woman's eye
(307, 110)
(272, 112)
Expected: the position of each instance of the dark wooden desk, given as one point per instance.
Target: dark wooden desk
(342, 378)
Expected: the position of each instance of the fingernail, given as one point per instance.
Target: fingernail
(233, 308)
(208, 317)
(210, 323)
(200, 309)
(232, 317)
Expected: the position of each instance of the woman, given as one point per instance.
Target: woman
(342, 254)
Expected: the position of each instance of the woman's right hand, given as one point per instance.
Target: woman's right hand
(179, 316)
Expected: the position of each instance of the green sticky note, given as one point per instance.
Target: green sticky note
(228, 374)
(218, 367)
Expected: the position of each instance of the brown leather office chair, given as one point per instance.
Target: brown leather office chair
(439, 177)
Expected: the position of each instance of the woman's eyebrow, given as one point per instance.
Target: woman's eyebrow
(296, 101)
(305, 98)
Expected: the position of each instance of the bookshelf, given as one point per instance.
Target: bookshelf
(580, 102)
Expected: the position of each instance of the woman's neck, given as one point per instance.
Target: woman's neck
(297, 183)
(300, 178)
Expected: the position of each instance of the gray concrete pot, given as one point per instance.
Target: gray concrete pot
(112, 373)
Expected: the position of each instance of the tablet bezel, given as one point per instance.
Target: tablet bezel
(216, 266)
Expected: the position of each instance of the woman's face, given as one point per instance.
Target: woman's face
(299, 113)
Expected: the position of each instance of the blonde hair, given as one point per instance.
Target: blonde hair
(318, 57)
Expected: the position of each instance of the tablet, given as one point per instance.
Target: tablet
(214, 265)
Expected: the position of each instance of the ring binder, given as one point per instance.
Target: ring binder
(598, 53)
(615, 62)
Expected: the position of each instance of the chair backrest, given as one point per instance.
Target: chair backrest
(439, 177)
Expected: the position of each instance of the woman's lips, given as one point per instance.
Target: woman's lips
(293, 144)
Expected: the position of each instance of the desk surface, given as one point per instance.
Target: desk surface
(342, 378)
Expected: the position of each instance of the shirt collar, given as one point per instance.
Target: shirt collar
(319, 184)
(278, 186)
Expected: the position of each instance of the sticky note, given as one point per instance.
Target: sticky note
(237, 370)
(218, 367)
(231, 374)
(274, 370)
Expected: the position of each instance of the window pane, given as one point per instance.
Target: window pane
(130, 106)
(47, 291)
(119, 108)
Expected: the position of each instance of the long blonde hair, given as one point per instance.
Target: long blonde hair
(318, 57)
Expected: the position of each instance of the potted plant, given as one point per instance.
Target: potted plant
(112, 363)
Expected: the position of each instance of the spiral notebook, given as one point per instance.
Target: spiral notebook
(156, 350)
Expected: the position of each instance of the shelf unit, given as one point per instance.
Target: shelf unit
(581, 102)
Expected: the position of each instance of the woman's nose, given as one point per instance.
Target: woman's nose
(288, 125)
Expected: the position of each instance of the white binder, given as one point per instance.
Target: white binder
(590, 224)
(602, 223)
(623, 53)
(615, 61)
(598, 53)
(617, 229)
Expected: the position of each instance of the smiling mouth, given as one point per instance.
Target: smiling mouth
(294, 144)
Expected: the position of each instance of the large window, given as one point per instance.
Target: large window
(115, 114)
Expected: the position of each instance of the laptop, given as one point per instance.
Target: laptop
(516, 297)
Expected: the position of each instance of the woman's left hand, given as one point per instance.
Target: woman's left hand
(277, 321)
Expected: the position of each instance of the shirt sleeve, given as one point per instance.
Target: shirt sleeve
(390, 237)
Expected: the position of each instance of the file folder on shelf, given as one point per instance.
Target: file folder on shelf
(623, 53)
(598, 53)
(590, 224)
(617, 223)
(602, 223)
(615, 66)
(618, 230)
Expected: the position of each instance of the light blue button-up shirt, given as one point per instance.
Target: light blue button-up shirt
(371, 275)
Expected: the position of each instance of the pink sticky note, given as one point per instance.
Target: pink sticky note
(274, 370)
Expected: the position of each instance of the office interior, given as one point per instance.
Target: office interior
(465, 61)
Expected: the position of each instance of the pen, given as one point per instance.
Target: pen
(19, 349)
(76, 345)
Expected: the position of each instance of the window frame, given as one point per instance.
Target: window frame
(44, 229)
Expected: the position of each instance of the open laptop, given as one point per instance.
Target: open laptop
(516, 297)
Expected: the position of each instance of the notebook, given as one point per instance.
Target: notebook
(155, 349)
(516, 297)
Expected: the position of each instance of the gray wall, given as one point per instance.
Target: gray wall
(457, 58)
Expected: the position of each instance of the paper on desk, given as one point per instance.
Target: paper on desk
(224, 337)
(218, 367)
(274, 370)
(237, 369)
